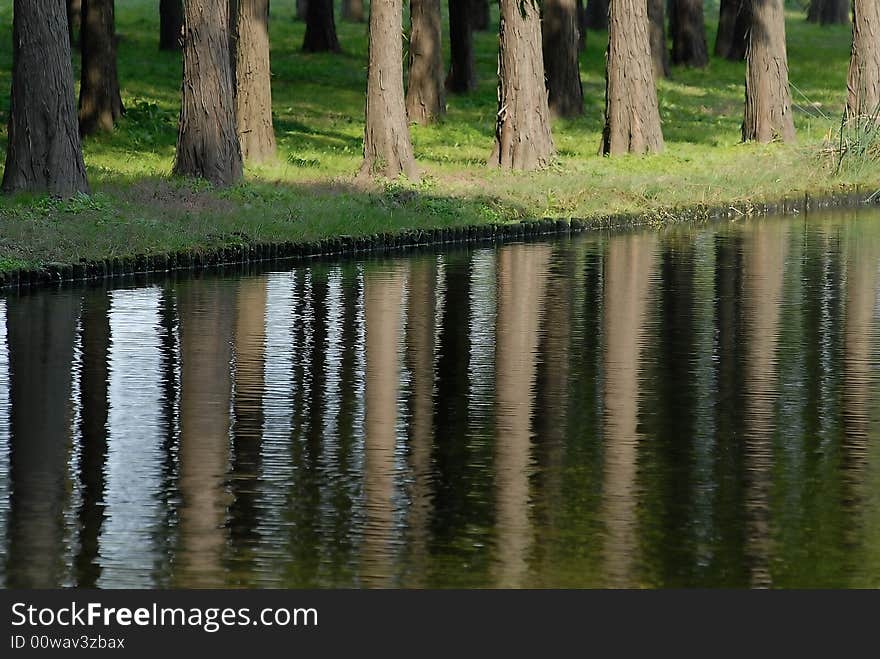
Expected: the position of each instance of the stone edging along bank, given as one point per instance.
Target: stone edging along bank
(345, 246)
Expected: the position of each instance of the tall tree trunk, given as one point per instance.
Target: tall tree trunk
(657, 35)
(522, 127)
(768, 99)
(480, 9)
(829, 12)
(100, 105)
(734, 19)
(302, 9)
(689, 34)
(249, 42)
(74, 20)
(207, 143)
(582, 25)
(320, 28)
(768, 114)
(353, 11)
(597, 14)
(170, 24)
(462, 77)
(387, 147)
(44, 153)
(863, 82)
(425, 97)
(632, 117)
(559, 32)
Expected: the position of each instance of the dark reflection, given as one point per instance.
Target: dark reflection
(692, 407)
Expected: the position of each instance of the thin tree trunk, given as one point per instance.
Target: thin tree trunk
(44, 153)
(387, 147)
(582, 25)
(768, 99)
(480, 9)
(863, 82)
(462, 76)
(689, 34)
(74, 20)
(251, 76)
(597, 14)
(734, 19)
(632, 117)
(207, 143)
(353, 11)
(100, 104)
(522, 127)
(657, 35)
(170, 24)
(425, 96)
(559, 32)
(320, 28)
(829, 12)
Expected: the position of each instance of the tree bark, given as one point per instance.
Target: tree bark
(462, 77)
(582, 25)
(632, 117)
(170, 24)
(863, 82)
(480, 13)
(320, 28)
(522, 127)
(74, 20)
(100, 104)
(207, 143)
(768, 99)
(829, 12)
(597, 14)
(657, 35)
(302, 9)
(353, 11)
(734, 19)
(425, 97)
(387, 147)
(559, 32)
(44, 153)
(689, 34)
(249, 21)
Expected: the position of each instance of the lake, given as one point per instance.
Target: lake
(697, 406)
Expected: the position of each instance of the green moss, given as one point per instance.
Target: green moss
(310, 192)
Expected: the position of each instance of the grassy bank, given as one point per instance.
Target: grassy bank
(310, 192)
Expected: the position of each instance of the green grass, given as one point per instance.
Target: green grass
(310, 193)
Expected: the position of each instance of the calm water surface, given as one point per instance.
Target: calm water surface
(694, 407)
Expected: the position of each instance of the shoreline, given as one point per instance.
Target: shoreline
(345, 247)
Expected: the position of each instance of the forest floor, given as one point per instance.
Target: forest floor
(310, 193)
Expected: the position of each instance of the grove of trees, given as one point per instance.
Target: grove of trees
(226, 96)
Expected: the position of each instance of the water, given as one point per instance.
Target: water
(694, 407)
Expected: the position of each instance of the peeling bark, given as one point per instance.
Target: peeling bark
(522, 127)
(632, 117)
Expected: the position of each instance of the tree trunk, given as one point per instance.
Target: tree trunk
(480, 9)
(249, 42)
(632, 118)
(597, 14)
(387, 147)
(657, 35)
(207, 143)
(353, 11)
(863, 82)
(829, 12)
(170, 24)
(734, 19)
(462, 77)
(768, 100)
(425, 98)
(320, 28)
(74, 20)
(44, 153)
(100, 105)
(302, 9)
(522, 127)
(559, 32)
(689, 34)
(582, 25)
